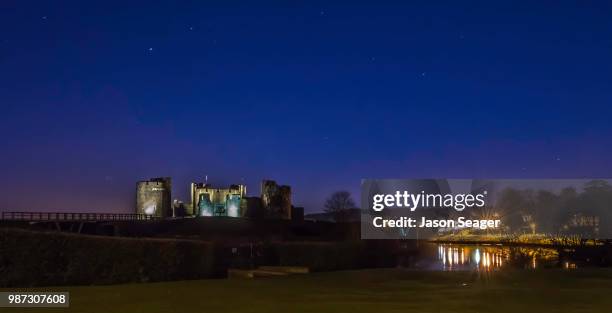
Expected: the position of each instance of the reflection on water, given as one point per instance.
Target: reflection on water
(491, 257)
(452, 256)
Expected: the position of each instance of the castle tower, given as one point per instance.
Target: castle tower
(154, 197)
(276, 199)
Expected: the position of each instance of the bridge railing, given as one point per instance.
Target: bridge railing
(68, 216)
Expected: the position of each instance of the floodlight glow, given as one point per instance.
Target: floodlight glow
(150, 209)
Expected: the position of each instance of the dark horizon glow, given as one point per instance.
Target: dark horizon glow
(317, 95)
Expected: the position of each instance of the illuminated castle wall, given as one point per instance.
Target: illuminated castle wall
(153, 197)
(209, 201)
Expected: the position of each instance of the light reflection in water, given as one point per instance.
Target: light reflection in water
(485, 257)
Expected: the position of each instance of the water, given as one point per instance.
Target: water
(451, 257)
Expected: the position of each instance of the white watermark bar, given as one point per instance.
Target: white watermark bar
(478, 208)
(34, 299)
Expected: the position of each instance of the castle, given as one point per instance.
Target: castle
(153, 199)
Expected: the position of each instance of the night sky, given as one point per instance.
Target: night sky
(317, 95)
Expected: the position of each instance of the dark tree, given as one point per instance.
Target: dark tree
(339, 204)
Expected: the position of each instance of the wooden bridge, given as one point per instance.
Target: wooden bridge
(72, 217)
(71, 222)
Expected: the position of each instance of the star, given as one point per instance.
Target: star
(150, 49)
(190, 27)
(423, 74)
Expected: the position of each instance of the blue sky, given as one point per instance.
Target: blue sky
(317, 95)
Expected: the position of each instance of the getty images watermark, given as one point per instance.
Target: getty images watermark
(429, 208)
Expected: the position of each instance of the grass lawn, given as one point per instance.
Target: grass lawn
(381, 290)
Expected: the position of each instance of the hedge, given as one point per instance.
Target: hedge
(29, 258)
